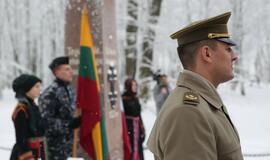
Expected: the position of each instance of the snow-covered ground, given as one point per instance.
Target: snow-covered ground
(250, 114)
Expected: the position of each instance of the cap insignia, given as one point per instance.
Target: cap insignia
(218, 35)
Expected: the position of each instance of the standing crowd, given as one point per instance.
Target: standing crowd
(192, 121)
(45, 130)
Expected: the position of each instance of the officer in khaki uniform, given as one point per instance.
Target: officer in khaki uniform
(194, 124)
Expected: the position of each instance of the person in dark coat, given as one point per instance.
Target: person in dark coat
(57, 107)
(29, 127)
(134, 121)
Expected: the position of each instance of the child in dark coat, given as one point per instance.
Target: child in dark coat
(29, 127)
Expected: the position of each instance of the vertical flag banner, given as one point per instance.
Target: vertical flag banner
(93, 137)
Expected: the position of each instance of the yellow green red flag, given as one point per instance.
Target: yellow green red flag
(93, 138)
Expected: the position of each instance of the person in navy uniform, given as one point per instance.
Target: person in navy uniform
(29, 127)
(57, 106)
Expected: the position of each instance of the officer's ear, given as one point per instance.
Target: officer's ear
(206, 53)
(57, 71)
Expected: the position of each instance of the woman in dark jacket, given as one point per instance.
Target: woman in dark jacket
(134, 121)
(28, 125)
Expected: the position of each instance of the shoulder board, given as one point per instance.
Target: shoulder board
(26, 155)
(191, 98)
(19, 107)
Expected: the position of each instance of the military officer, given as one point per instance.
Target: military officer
(57, 105)
(194, 124)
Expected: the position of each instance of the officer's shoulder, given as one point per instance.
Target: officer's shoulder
(191, 98)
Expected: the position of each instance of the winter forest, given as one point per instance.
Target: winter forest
(33, 32)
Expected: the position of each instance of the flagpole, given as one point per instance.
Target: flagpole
(75, 135)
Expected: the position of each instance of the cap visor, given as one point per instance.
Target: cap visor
(227, 40)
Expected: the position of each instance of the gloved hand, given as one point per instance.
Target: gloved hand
(75, 122)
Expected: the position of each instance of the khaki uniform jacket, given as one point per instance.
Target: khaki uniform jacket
(194, 124)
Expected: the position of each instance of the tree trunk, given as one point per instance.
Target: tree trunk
(103, 30)
(238, 36)
(131, 38)
(146, 70)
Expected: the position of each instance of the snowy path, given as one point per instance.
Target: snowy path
(250, 115)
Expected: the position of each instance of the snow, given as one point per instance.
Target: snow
(7, 132)
(249, 114)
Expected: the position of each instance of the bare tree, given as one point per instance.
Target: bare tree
(145, 70)
(238, 33)
(30, 37)
(262, 65)
(131, 37)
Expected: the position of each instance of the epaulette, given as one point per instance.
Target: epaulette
(19, 107)
(191, 98)
(27, 155)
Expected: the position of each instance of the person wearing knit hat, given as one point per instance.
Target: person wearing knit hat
(194, 122)
(29, 127)
(57, 107)
(24, 83)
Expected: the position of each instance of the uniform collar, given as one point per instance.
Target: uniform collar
(201, 85)
(61, 82)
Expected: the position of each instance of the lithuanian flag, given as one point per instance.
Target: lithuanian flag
(93, 138)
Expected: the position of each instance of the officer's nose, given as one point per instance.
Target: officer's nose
(235, 56)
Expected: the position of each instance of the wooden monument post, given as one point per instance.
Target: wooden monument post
(103, 27)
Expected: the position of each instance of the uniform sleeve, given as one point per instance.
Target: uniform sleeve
(187, 135)
(50, 109)
(22, 134)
